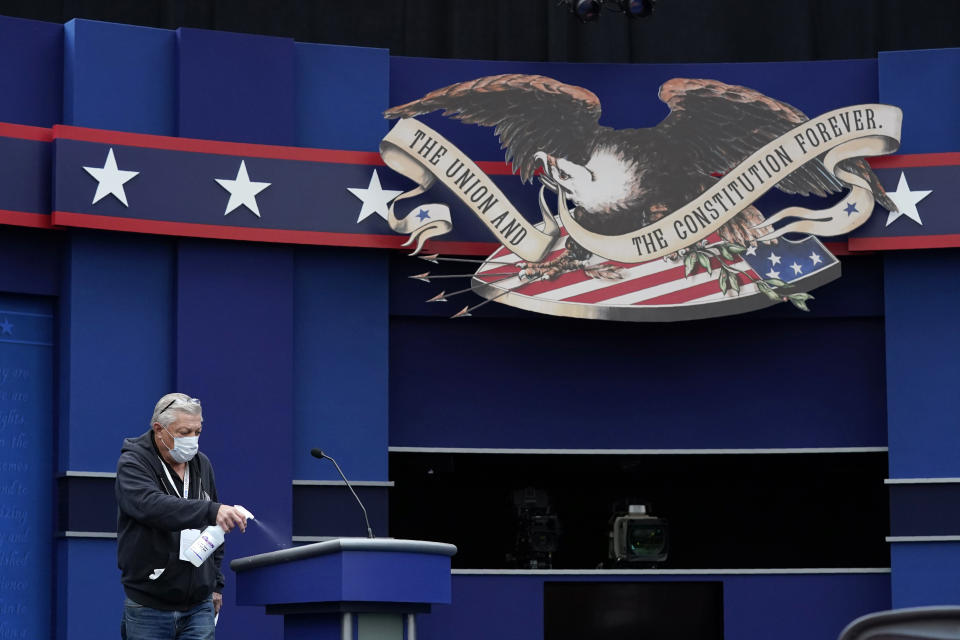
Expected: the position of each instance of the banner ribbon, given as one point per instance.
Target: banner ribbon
(421, 154)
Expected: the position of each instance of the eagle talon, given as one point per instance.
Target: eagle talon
(604, 272)
(566, 263)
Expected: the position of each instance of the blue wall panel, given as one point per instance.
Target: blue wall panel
(799, 607)
(234, 350)
(89, 594)
(30, 261)
(756, 607)
(25, 177)
(331, 510)
(332, 82)
(925, 573)
(923, 363)
(117, 349)
(341, 332)
(926, 86)
(31, 77)
(26, 465)
(924, 509)
(120, 77)
(547, 383)
(236, 87)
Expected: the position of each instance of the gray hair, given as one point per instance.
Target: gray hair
(165, 412)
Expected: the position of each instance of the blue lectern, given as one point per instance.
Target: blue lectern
(348, 588)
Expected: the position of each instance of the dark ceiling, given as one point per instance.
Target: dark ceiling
(679, 30)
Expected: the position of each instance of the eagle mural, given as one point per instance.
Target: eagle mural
(620, 180)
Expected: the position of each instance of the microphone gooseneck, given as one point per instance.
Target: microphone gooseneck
(317, 453)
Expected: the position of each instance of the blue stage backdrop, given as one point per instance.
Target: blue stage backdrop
(792, 607)
(26, 465)
(295, 347)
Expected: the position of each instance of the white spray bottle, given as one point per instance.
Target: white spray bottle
(211, 538)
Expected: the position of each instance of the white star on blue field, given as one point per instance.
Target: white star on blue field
(788, 261)
(375, 199)
(110, 179)
(906, 200)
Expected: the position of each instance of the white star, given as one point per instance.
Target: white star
(375, 198)
(774, 259)
(243, 192)
(752, 250)
(772, 274)
(796, 268)
(815, 258)
(906, 201)
(110, 179)
(7, 327)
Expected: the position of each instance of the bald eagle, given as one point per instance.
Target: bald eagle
(621, 180)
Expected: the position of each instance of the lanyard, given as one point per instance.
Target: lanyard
(186, 479)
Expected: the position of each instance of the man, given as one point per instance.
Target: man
(165, 490)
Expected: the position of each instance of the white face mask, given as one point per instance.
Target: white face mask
(184, 447)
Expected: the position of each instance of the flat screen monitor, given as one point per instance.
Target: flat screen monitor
(633, 610)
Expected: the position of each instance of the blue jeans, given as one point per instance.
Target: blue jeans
(143, 623)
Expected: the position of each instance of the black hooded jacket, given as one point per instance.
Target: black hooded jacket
(150, 516)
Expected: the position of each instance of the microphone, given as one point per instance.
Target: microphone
(320, 455)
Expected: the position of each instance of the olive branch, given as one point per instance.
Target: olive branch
(699, 255)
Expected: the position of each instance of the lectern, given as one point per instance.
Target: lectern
(348, 588)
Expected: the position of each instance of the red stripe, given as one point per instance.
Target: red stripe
(25, 132)
(905, 242)
(215, 146)
(26, 219)
(691, 293)
(637, 284)
(90, 221)
(492, 167)
(838, 248)
(500, 253)
(915, 160)
(564, 280)
(246, 150)
(623, 288)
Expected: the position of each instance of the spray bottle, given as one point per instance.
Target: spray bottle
(211, 538)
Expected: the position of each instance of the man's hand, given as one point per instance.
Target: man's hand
(228, 517)
(217, 602)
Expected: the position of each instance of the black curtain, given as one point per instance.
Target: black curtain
(540, 30)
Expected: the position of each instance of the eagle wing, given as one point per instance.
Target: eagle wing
(530, 113)
(723, 124)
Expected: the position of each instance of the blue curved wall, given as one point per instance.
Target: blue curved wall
(295, 347)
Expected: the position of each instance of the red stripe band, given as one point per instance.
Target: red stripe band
(25, 132)
(246, 150)
(286, 236)
(691, 293)
(26, 219)
(915, 160)
(905, 242)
